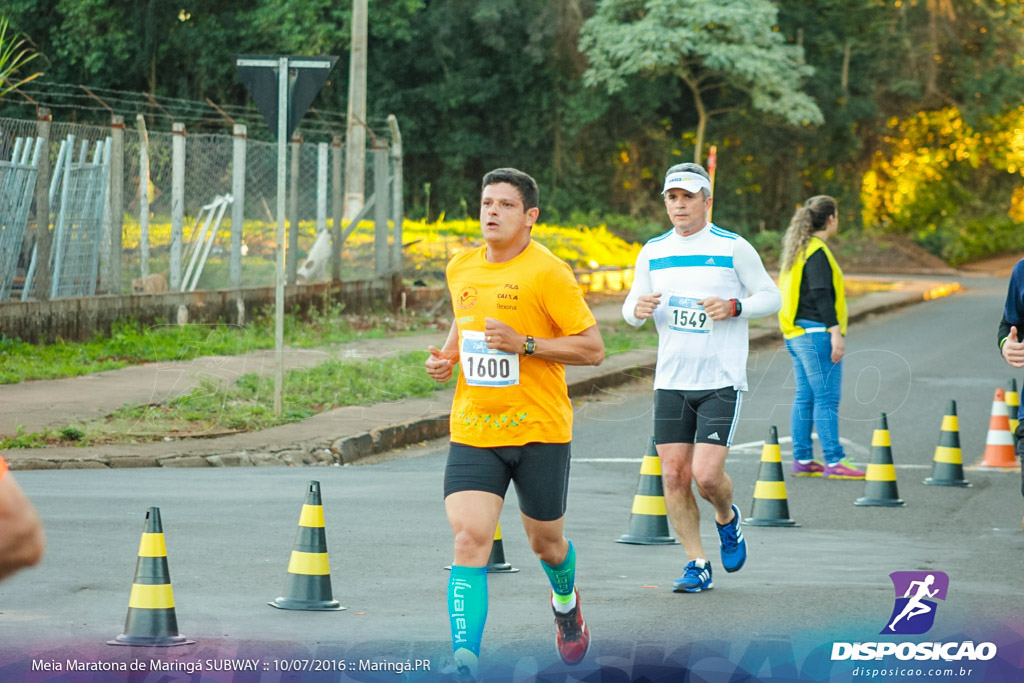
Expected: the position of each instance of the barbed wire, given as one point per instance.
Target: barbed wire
(193, 113)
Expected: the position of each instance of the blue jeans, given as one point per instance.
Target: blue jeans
(819, 384)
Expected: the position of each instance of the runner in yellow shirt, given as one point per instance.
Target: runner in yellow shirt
(519, 318)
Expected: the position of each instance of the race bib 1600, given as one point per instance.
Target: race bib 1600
(484, 367)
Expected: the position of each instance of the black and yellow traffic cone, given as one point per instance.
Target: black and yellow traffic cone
(880, 479)
(770, 505)
(1012, 404)
(496, 562)
(309, 572)
(151, 620)
(648, 523)
(948, 465)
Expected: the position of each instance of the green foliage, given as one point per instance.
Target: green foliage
(478, 84)
(15, 54)
(729, 53)
(964, 240)
(953, 187)
(71, 434)
(768, 244)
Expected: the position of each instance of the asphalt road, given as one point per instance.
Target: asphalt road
(229, 532)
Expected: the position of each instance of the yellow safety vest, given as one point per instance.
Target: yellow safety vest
(789, 285)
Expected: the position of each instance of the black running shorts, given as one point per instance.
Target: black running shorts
(540, 472)
(707, 416)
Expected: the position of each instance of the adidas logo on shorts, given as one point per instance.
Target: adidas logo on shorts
(715, 436)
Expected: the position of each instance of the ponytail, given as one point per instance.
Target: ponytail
(808, 219)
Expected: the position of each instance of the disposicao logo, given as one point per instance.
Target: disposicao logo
(916, 592)
(913, 614)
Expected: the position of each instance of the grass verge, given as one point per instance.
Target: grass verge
(131, 344)
(213, 409)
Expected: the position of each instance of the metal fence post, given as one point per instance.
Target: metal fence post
(140, 122)
(238, 206)
(339, 206)
(44, 236)
(397, 207)
(177, 202)
(380, 212)
(321, 187)
(113, 283)
(293, 207)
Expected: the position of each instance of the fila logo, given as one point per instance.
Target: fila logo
(715, 436)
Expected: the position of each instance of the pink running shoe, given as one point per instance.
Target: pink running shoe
(807, 468)
(842, 470)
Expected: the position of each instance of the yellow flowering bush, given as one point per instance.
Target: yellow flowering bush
(428, 245)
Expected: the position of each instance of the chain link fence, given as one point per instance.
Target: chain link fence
(147, 219)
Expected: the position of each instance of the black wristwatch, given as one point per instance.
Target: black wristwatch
(529, 346)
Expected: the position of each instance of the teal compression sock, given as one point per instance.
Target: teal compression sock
(467, 607)
(562, 577)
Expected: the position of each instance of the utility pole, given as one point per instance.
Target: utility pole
(355, 134)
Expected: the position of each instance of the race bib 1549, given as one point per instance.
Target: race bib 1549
(686, 315)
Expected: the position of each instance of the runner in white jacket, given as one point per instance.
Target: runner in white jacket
(701, 284)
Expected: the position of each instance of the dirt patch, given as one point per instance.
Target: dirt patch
(886, 254)
(998, 266)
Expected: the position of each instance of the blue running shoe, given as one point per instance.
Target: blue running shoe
(734, 546)
(696, 578)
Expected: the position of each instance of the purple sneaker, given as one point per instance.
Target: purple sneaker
(842, 470)
(807, 468)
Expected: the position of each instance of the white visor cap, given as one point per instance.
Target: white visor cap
(686, 180)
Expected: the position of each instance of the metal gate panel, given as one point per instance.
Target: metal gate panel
(80, 222)
(17, 185)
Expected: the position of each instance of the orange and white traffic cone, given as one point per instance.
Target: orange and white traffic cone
(999, 451)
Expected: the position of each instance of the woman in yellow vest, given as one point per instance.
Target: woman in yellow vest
(813, 319)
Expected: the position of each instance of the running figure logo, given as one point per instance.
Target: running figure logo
(914, 611)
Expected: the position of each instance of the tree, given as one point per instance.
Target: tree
(726, 52)
(15, 53)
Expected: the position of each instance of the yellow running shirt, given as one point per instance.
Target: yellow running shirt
(504, 399)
